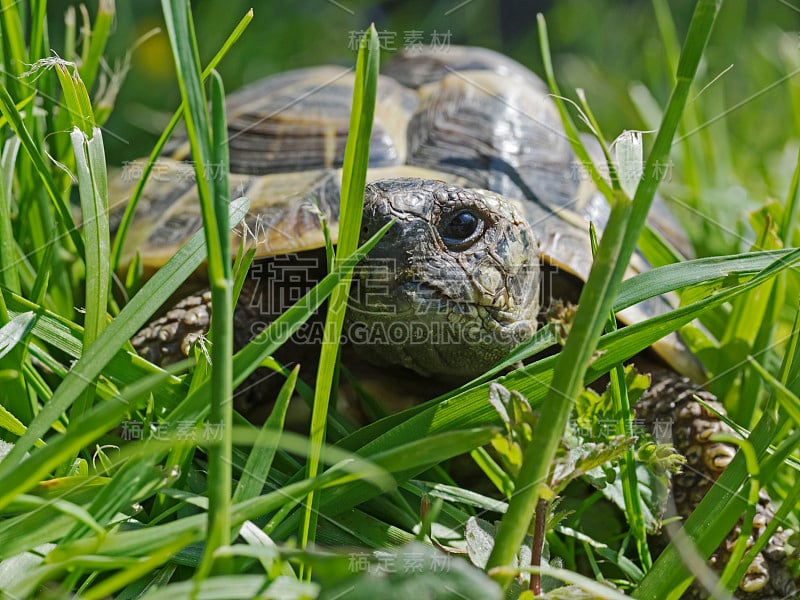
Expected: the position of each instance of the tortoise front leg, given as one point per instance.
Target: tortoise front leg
(671, 400)
(168, 339)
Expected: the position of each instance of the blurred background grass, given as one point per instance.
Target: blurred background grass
(738, 162)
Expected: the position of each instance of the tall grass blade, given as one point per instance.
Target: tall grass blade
(354, 176)
(98, 37)
(9, 274)
(622, 406)
(34, 151)
(208, 140)
(93, 187)
(259, 462)
(617, 245)
(15, 331)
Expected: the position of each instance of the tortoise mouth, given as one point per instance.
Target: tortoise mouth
(448, 351)
(467, 322)
(504, 317)
(437, 300)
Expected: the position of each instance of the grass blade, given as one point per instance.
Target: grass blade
(97, 41)
(93, 187)
(208, 141)
(625, 224)
(15, 331)
(10, 112)
(354, 176)
(630, 482)
(9, 276)
(784, 396)
(15, 40)
(260, 460)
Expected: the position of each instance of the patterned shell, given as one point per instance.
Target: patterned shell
(468, 116)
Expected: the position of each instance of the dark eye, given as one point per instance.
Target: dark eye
(460, 229)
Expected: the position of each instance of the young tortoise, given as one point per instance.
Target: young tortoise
(476, 264)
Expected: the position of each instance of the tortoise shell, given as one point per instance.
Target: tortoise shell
(467, 116)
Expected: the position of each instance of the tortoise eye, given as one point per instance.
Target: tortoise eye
(461, 229)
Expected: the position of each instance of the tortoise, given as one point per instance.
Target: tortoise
(467, 154)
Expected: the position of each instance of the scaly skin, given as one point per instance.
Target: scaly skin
(168, 339)
(670, 400)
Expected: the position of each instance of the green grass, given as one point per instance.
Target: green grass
(199, 503)
(208, 140)
(356, 159)
(613, 254)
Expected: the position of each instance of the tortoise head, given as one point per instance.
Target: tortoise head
(454, 284)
